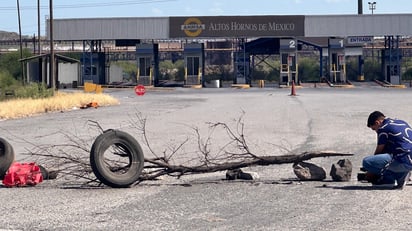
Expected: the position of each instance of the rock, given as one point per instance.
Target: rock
(232, 174)
(248, 175)
(239, 174)
(309, 171)
(48, 174)
(341, 171)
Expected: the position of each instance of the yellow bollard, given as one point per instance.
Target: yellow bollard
(261, 83)
(99, 89)
(89, 87)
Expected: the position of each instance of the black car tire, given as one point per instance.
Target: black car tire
(116, 159)
(6, 157)
(44, 172)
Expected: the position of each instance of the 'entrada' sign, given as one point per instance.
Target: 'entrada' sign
(360, 39)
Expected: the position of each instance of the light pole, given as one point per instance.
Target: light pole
(38, 28)
(21, 43)
(51, 65)
(372, 6)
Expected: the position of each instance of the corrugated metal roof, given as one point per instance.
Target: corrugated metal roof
(159, 27)
(358, 25)
(110, 28)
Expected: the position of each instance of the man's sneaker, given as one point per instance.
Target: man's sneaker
(383, 183)
(385, 186)
(401, 182)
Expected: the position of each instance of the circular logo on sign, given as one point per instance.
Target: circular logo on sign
(193, 27)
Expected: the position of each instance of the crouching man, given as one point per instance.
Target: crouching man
(392, 161)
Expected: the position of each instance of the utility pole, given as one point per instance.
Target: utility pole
(21, 42)
(51, 65)
(38, 27)
(360, 7)
(372, 7)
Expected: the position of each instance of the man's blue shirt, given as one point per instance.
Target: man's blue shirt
(396, 135)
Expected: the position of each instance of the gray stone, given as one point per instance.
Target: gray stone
(309, 171)
(232, 174)
(342, 170)
(239, 174)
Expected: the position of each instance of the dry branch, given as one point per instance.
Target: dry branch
(262, 160)
(72, 158)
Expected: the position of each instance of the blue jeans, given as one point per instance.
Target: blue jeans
(385, 164)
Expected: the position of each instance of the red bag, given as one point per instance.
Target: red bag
(22, 174)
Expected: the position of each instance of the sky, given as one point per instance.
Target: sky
(9, 17)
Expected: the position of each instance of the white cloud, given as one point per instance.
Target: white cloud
(189, 10)
(157, 11)
(216, 9)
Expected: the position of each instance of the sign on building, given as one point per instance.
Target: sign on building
(360, 39)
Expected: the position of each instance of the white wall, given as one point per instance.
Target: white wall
(115, 74)
(68, 72)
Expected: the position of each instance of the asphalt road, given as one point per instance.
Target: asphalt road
(317, 119)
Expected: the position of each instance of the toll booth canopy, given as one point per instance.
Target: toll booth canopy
(147, 57)
(194, 57)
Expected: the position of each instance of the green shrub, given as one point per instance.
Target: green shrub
(274, 75)
(221, 72)
(352, 71)
(180, 74)
(34, 91)
(129, 69)
(10, 62)
(6, 80)
(308, 69)
(372, 70)
(407, 75)
(7, 84)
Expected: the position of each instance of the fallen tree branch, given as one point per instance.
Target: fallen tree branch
(261, 160)
(72, 158)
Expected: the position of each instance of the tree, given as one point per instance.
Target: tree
(6, 80)
(308, 69)
(168, 70)
(10, 62)
(352, 68)
(180, 66)
(372, 70)
(221, 72)
(130, 68)
(267, 68)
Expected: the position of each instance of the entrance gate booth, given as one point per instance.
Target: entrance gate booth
(242, 67)
(194, 57)
(391, 60)
(147, 56)
(288, 61)
(337, 63)
(93, 62)
(93, 68)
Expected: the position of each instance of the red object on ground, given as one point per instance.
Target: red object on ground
(23, 174)
(140, 90)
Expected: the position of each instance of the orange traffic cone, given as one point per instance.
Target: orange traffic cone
(293, 91)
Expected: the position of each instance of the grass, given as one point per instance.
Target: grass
(17, 108)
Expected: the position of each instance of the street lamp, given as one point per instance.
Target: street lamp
(372, 6)
(20, 41)
(52, 63)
